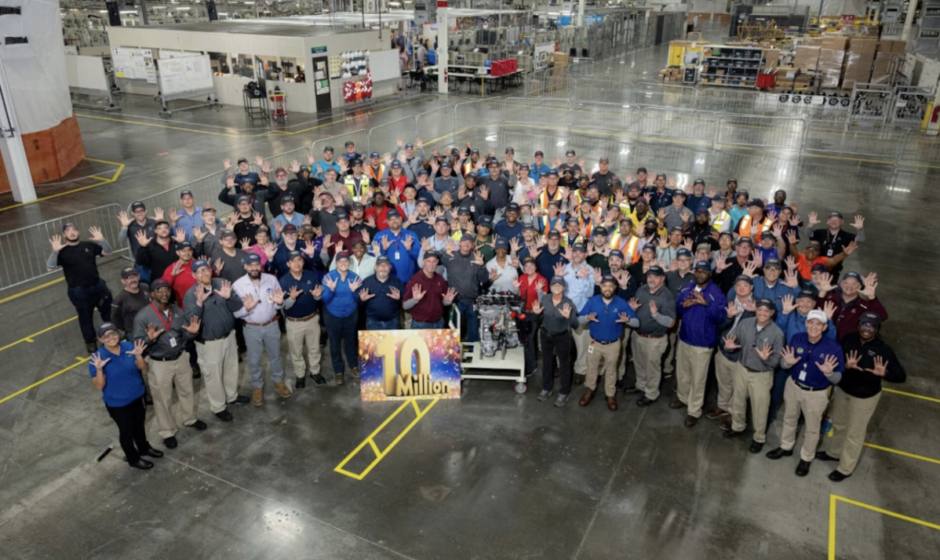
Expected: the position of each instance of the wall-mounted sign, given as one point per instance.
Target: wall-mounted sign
(317, 50)
(409, 363)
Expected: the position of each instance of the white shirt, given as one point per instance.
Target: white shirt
(262, 292)
(507, 275)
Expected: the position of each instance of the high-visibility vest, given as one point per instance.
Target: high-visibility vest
(588, 226)
(467, 167)
(719, 221)
(744, 228)
(629, 247)
(548, 223)
(545, 198)
(377, 175)
(363, 184)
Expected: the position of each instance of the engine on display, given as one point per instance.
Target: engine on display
(503, 322)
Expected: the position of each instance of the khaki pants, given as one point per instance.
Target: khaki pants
(671, 351)
(691, 374)
(218, 360)
(624, 344)
(300, 333)
(850, 417)
(608, 356)
(582, 339)
(813, 404)
(163, 377)
(724, 374)
(756, 386)
(647, 353)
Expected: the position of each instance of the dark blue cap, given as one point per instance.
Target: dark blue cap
(703, 265)
(616, 253)
(252, 258)
(396, 164)
(656, 270)
(409, 145)
(463, 211)
(445, 164)
(342, 255)
(138, 206)
(374, 155)
(608, 278)
(502, 243)
(684, 253)
(855, 275)
(382, 259)
(558, 280)
(600, 231)
(183, 245)
(199, 263)
(184, 193)
(579, 247)
(293, 255)
(159, 284)
(393, 214)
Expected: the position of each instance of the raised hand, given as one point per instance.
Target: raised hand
(139, 347)
(634, 304)
(731, 342)
(732, 310)
(828, 365)
(202, 294)
(623, 318)
(141, 237)
(859, 222)
(829, 308)
(494, 275)
(158, 212)
(295, 166)
(881, 367)
(559, 269)
(99, 362)
(795, 220)
(484, 192)
(393, 293)
(417, 292)
(765, 351)
(788, 304)
(757, 258)
(57, 244)
(249, 302)
(813, 219)
(317, 292)
(750, 269)
(193, 326)
(355, 284)
(199, 234)
(330, 282)
(870, 284)
(153, 332)
(478, 259)
(537, 307)
(541, 285)
(180, 235)
(722, 264)
(654, 310)
(245, 243)
(177, 268)
(824, 284)
(278, 296)
(565, 311)
(364, 295)
(789, 356)
(256, 218)
(227, 163)
(790, 280)
(850, 248)
(218, 265)
(450, 296)
(407, 242)
(124, 219)
(852, 359)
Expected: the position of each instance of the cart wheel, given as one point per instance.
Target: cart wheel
(521, 388)
(808, 99)
(796, 99)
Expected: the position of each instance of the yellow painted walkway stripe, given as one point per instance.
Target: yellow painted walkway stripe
(43, 380)
(35, 334)
(833, 505)
(31, 290)
(903, 453)
(101, 181)
(370, 441)
(913, 395)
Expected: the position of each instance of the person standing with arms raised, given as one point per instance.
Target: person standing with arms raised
(86, 289)
(559, 316)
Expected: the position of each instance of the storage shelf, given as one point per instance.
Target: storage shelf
(728, 85)
(751, 58)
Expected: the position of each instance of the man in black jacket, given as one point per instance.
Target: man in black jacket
(158, 254)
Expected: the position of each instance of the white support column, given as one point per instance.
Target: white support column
(11, 146)
(580, 20)
(909, 20)
(442, 44)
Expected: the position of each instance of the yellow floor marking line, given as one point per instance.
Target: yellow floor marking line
(913, 395)
(31, 290)
(370, 441)
(101, 182)
(35, 334)
(903, 453)
(43, 380)
(833, 503)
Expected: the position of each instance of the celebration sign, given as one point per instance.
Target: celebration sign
(403, 364)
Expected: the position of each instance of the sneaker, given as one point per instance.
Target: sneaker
(339, 379)
(561, 400)
(257, 397)
(282, 389)
(543, 395)
(318, 378)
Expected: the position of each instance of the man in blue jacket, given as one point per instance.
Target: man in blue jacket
(381, 295)
(701, 307)
(401, 246)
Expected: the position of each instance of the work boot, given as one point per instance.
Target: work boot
(612, 404)
(715, 413)
(779, 452)
(257, 397)
(354, 372)
(339, 379)
(802, 469)
(690, 421)
(676, 404)
(823, 456)
(282, 389)
(197, 373)
(300, 383)
(587, 397)
(836, 476)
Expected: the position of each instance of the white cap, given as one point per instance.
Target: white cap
(819, 316)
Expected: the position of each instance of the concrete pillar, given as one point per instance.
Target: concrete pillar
(909, 20)
(442, 43)
(11, 146)
(580, 20)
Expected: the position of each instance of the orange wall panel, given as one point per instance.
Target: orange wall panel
(51, 153)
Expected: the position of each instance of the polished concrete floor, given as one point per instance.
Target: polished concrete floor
(495, 475)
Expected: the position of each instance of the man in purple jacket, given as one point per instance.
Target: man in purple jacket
(701, 306)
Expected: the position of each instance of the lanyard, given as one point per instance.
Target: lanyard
(166, 326)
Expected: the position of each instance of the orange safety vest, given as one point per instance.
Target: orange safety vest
(544, 198)
(628, 247)
(589, 226)
(467, 167)
(546, 223)
(744, 229)
(376, 175)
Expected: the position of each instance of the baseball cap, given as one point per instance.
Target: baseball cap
(243, 198)
(741, 240)
(199, 263)
(467, 237)
(252, 258)
(600, 231)
(608, 278)
(409, 145)
(819, 267)
(553, 173)
(857, 276)
(293, 255)
(68, 225)
(604, 160)
(160, 283)
(432, 253)
(105, 328)
(703, 265)
(358, 206)
(393, 214)
(502, 243)
(359, 241)
(396, 164)
(680, 194)
(513, 207)
(529, 259)
(474, 151)
(558, 280)
(227, 233)
(703, 211)
(185, 193)
(818, 315)
(382, 260)
(128, 272)
(420, 172)
(835, 214)
(656, 270)
(768, 235)
(807, 294)
(485, 221)
(343, 216)
(543, 174)
(287, 199)
(440, 219)
(208, 209)
(766, 302)
(744, 278)
(539, 153)
(684, 253)
(445, 164)
(616, 253)
(579, 247)
(183, 245)
(463, 211)
(137, 206)
(528, 226)
(510, 151)
(355, 162)
(554, 235)
(675, 229)
(871, 319)
(289, 228)
(704, 246)
(755, 203)
(374, 155)
(775, 263)
(572, 219)
(719, 199)
(342, 255)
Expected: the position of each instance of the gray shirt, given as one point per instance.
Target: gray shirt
(171, 341)
(674, 216)
(552, 320)
(450, 184)
(233, 268)
(216, 314)
(463, 275)
(499, 188)
(666, 310)
(751, 339)
(675, 283)
(416, 163)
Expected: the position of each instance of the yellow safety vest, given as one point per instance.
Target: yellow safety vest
(719, 222)
(363, 184)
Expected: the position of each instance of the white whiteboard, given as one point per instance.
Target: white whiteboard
(134, 64)
(86, 72)
(184, 75)
(384, 65)
(177, 54)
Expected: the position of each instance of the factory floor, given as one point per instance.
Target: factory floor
(495, 475)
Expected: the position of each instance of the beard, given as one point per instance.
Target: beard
(254, 274)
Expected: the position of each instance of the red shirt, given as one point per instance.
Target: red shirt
(529, 290)
(847, 314)
(431, 306)
(341, 243)
(181, 283)
(397, 185)
(806, 268)
(381, 215)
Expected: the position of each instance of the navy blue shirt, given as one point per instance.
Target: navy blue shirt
(422, 229)
(694, 202)
(546, 262)
(278, 265)
(806, 372)
(626, 294)
(700, 323)
(382, 307)
(606, 328)
(123, 382)
(659, 200)
(305, 305)
(507, 232)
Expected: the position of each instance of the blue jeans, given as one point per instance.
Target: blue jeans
(342, 335)
(144, 274)
(85, 301)
(376, 325)
(439, 324)
(468, 314)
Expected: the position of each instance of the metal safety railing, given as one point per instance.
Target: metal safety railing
(24, 251)
(384, 138)
(360, 138)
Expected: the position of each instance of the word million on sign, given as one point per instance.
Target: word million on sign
(409, 363)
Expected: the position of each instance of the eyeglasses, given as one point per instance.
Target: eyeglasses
(110, 334)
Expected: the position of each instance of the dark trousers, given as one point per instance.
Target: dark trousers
(556, 345)
(469, 321)
(240, 336)
(85, 301)
(130, 422)
(377, 325)
(342, 331)
(530, 343)
(776, 394)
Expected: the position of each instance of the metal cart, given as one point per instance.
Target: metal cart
(278, 105)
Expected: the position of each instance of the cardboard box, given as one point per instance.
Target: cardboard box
(863, 45)
(898, 47)
(771, 59)
(561, 59)
(830, 64)
(884, 66)
(857, 69)
(836, 43)
(806, 58)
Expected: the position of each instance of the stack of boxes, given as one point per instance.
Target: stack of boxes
(673, 74)
(831, 60)
(858, 61)
(887, 58)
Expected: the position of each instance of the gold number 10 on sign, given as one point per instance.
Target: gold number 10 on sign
(402, 381)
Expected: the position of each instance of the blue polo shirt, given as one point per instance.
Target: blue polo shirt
(187, 222)
(305, 305)
(546, 262)
(403, 260)
(794, 324)
(606, 329)
(535, 170)
(422, 229)
(278, 265)
(123, 382)
(806, 371)
(382, 307)
(776, 292)
(700, 323)
(507, 232)
(343, 302)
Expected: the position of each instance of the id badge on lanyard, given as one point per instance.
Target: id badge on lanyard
(167, 323)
